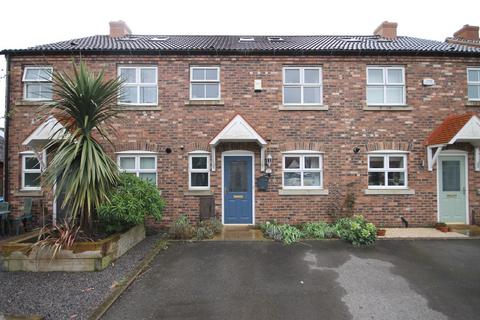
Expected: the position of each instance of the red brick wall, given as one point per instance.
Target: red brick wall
(336, 131)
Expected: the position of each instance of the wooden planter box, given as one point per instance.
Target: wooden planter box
(84, 256)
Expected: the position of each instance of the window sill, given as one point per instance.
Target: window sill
(198, 193)
(131, 107)
(472, 104)
(387, 108)
(303, 192)
(28, 193)
(389, 191)
(190, 103)
(284, 107)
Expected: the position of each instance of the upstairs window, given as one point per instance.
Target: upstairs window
(302, 86)
(385, 86)
(302, 171)
(37, 83)
(473, 81)
(198, 171)
(387, 171)
(30, 172)
(143, 166)
(139, 85)
(205, 83)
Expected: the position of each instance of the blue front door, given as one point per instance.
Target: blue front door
(238, 187)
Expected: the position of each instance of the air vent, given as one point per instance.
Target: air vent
(128, 39)
(159, 39)
(275, 39)
(246, 39)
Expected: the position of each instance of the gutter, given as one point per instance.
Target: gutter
(7, 112)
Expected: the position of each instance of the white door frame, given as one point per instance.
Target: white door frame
(454, 153)
(240, 153)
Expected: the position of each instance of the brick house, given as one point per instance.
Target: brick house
(293, 128)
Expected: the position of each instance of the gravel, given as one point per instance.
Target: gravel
(63, 295)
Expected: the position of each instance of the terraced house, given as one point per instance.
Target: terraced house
(252, 128)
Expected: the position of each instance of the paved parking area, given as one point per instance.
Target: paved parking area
(434, 279)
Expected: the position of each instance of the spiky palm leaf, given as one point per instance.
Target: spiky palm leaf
(80, 167)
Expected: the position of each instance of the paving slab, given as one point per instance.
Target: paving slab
(420, 233)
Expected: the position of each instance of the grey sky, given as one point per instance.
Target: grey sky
(30, 22)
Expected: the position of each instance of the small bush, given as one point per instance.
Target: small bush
(130, 202)
(204, 233)
(181, 228)
(207, 229)
(281, 232)
(356, 230)
(318, 230)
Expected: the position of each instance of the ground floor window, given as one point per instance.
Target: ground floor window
(30, 172)
(387, 171)
(143, 166)
(302, 171)
(198, 171)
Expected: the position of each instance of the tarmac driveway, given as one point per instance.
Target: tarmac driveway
(313, 280)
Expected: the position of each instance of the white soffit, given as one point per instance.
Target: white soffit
(238, 130)
(469, 133)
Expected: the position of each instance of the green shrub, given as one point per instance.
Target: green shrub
(181, 228)
(130, 202)
(204, 233)
(281, 232)
(207, 229)
(356, 230)
(318, 230)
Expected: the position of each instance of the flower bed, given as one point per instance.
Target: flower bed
(21, 255)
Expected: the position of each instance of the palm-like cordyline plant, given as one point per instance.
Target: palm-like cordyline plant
(80, 167)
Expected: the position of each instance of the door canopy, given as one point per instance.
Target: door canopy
(455, 128)
(49, 130)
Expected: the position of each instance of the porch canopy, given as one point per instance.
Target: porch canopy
(455, 128)
(238, 130)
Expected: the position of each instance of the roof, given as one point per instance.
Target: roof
(465, 42)
(238, 130)
(448, 129)
(322, 44)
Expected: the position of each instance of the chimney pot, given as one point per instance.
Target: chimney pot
(387, 30)
(119, 29)
(467, 32)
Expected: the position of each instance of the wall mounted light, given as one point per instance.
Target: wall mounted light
(269, 160)
(356, 149)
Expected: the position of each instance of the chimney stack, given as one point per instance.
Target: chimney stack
(387, 30)
(119, 29)
(467, 32)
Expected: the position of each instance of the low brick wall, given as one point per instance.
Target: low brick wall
(83, 256)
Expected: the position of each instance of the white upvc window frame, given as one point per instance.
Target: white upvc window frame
(191, 170)
(217, 81)
(302, 169)
(26, 82)
(24, 156)
(385, 84)
(386, 169)
(137, 170)
(139, 84)
(302, 84)
(472, 83)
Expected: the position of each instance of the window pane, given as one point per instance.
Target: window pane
(395, 76)
(212, 90)
(311, 95)
(147, 75)
(32, 180)
(451, 175)
(312, 162)
(151, 177)
(375, 76)
(394, 94)
(32, 74)
(312, 76)
(198, 91)
(46, 92)
(211, 74)
(395, 162)
(311, 179)
(292, 95)
(292, 179)
(129, 94)
(238, 176)
(32, 163)
(127, 163)
(292, 162)
(473, 75)
(376, 178)
(33, 91)
(292, 75)
(199, 179)
(148, 94)
(147, 162)
(199, 162)
(375, 95)
(128, 75)
(376, 162)
(474, 91)
(396, 179)
(45, 74)
(198, 74)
